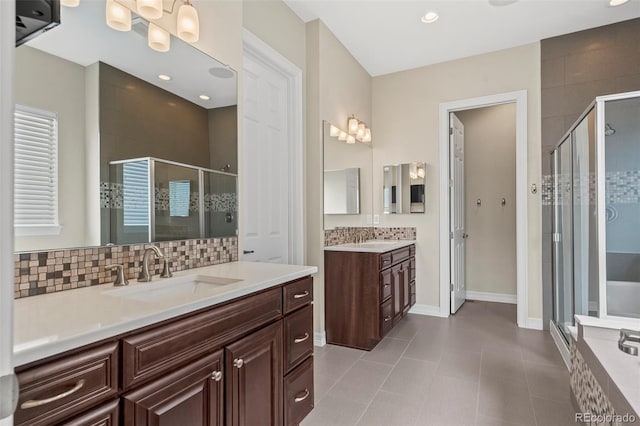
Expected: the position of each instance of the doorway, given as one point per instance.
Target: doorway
(483, 210)
(271, 156)
(519, 98)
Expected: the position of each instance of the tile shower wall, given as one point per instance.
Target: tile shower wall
(575, 68)
(51, 271)
(346, 235)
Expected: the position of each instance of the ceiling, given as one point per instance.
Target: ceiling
(386, 36)
(84, 38)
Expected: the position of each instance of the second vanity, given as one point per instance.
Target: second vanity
(369, 287)
(227, 344)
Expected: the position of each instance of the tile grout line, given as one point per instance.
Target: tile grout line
(385, 379)
(526, 378)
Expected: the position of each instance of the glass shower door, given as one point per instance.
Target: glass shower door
(563, 237)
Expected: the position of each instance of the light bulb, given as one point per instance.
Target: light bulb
(70, 3)
(150, 9)
(421, 172)
(118, 16)
(367, 135)
(351, 139)
(159, 39)
(342, 136)
(334, 131)
(188, 23)
(353, 126)
(360, 133)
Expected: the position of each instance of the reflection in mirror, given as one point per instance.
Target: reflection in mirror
(403, 190)
(118, 143)
(342, 191)
(348, 190)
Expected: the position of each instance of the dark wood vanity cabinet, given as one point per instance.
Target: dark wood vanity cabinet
(248, 362)
(366, 294)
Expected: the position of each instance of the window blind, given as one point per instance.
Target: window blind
(36, 167)
(135, 193)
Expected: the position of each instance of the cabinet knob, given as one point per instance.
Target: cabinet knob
(238, 362)
(216, 375)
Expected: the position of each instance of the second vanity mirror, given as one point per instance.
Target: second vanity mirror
(348, 176)
(404, 188)
(137, 145)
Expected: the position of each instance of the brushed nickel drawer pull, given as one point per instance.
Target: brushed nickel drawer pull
(301, 295)
(238, 362)
(304, 396)
(216, 375)
(301, 339)
(387, 318)
(39, 402)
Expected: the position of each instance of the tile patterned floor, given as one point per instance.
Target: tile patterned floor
(475, 368)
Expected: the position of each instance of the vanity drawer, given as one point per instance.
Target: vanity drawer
(386, 317)
(298, 336)
(61, 389)
(297, 294)
(155, 352)
(400, 254)
(298, 393)
(105, 415)
(385, 260)
(385, 284)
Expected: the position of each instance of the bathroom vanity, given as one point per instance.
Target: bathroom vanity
(369, 287)
(228, 344)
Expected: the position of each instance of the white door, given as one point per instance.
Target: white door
(7, 40)
(458, 236)
(264, 160)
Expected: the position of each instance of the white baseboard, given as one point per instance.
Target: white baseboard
(319, 338)
(492, 297)
(430, 310)
(560, 344)
(534, 323)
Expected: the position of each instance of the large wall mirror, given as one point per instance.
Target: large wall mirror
(348, 176)
(117, 143)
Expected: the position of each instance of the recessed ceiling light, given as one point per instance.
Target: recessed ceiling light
(205, 97)
(164, 77)
(617, 2)
(430, 17)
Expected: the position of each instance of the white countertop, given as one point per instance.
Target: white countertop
(372, 246)
(50, 324)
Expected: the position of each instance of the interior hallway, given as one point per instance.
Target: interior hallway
(474, 368)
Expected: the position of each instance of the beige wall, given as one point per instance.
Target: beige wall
(405, 128)
(337, 86)
(60, 89)
(490, 175)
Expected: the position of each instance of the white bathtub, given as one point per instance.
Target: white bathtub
(623, 298)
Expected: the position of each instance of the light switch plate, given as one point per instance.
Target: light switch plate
(368, 219)
(376, 219)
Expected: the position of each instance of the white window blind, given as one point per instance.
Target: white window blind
(36, 169)
(135, 193)
(179, 197)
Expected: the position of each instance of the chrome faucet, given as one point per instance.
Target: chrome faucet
(629, 336)
(145, 276)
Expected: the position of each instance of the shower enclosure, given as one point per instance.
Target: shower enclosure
(159, 200)
(596, 213)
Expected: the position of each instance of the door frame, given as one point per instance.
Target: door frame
(7, 48)
(522, 235)
(266, 55)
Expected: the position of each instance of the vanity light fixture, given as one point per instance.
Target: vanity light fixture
(353, 125)
(159, 39)
(188, 23)
(118, 16)
(360, 133)
(164, 77)
(150, 9)
(615, 3)
(334, 131)
(367, 135)
(351, 139)
(430, 17)
(70, 3)
(205, 97)
(342, 136)
(358, 129)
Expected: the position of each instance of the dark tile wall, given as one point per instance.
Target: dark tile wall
(576, 68)
(51, 271)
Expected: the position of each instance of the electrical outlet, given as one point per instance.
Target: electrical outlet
(376, 219)
(368, 219)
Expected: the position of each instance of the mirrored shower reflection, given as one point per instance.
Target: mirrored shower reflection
(622, 174)
(148, 199)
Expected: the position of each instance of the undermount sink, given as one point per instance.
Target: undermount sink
(162, 289)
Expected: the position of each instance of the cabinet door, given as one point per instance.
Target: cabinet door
(190, 396)
(254, 379)
(397, 285)
(406, 287)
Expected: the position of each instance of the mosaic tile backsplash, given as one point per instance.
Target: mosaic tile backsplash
(622, 187)
(51, 271)
(346, 235)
